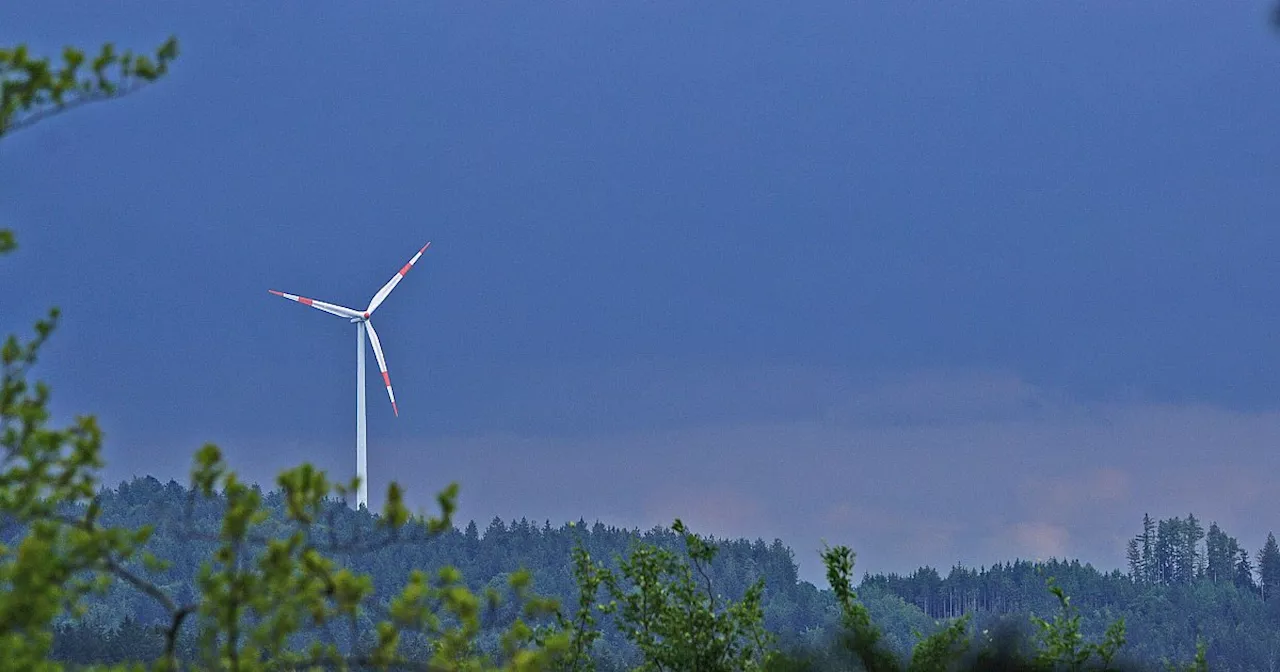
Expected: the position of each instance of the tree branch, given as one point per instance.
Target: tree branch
(115, 568)
(171, 635)
(54, 110)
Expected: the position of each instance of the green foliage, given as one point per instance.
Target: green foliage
(581, 632)
(257, 591)
(1269, 569)
(59, 560)
(676, 618)
(1165, 611)
(1062, 643)
(941, 651)
(33, 88)
(861, 637)
(186, 534)
(265, 588)
(251, 604)
(1199, 664)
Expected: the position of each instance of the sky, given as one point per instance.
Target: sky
(948, 283)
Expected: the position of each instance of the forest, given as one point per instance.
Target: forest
(1184, 585)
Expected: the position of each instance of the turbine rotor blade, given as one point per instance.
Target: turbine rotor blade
(332, 309)
(382, 364)
(391, 284)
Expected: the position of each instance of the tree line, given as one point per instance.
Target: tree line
(1170, 552)
(1164, 621)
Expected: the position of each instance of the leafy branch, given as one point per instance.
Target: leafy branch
(33, 89)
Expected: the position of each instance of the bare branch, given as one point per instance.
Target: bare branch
(171, 635)
(118, 570)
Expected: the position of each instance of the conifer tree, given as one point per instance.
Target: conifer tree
(1148, 548)
(1166, 552)
(1219, 555)
(1134, 554)
(1269, 568)
(1189, 558)
(1244, 570)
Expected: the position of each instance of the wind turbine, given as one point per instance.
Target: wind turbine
(361, 320)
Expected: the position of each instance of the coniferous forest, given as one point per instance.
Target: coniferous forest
(1185, 585)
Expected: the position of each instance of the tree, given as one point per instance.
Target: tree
(670, 610)
(59, 559)
(1063, 644)
(34, 89)
(1134, 556)
(1165, 554)
(1189, 558)
(1148, 548)
(1269, 568)
(1219, 555)
(1244, 570)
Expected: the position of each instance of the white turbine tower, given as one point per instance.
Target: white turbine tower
(361, 320)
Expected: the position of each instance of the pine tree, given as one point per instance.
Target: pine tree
(1269, 568)
(1189, 558)
(1135, 561)
(1166, 552)
(1148, 548)
(1244, 569)
(1219, 555)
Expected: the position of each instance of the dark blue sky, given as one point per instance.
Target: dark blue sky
(749, 250)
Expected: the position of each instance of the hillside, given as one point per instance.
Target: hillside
(1164, 617)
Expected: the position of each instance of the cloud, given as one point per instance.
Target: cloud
(935, 398)
(1040, 540)
(1084, 491)
(708, 508)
